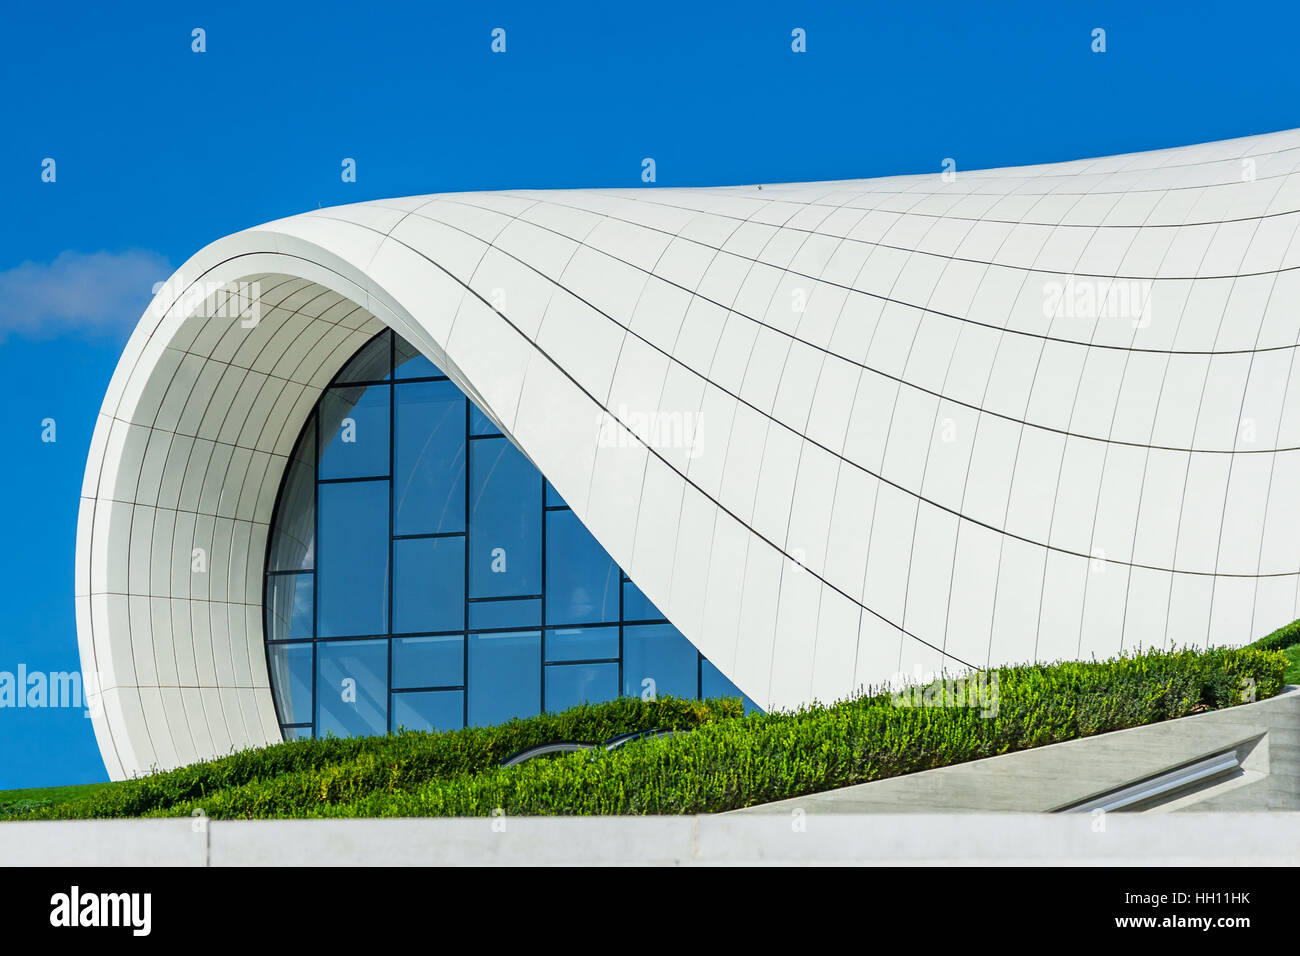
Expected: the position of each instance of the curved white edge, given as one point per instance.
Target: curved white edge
(840, 433)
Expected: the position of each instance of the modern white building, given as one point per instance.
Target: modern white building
(795, 439)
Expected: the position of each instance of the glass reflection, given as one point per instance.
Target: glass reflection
(569, 685)
(505, 548)
(351, 688)
(354, 433)
(429, 458)
(352, 592)
(470, 591)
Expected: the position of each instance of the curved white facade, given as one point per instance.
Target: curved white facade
(1032, 413)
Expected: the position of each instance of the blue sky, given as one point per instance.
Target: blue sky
(160, 150)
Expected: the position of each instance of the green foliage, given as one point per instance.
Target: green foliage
(22, 808)
(728, 764)
(1285, 636)
(290, 778)
(1292, 675)
(727, 761)
(1287, 640)
(14, 803)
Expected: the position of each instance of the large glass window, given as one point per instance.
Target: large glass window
(581, 644)
(353, 560)
(657, 658)
(505, 676)
(292, 675)
(505, 614)
(429, 710)
(428, 585)
(427, 662)
(289, 605)
(582, 580)
(354, 432)
(428, 458)
(293, 539)
(422, 574)
(505, 548)
(351, 688)
(574, 684)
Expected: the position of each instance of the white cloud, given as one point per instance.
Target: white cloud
(95, 294)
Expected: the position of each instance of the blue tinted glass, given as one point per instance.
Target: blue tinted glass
(568, 685)
(505, 676)
(582, 580)
(429, 710)
(293, 539)
(525, 612)
(429, 661)
(352, 581)
(581, 644)
(714, 683)
(553, 499)
(505, 540)
(658, 652)
(428, 585)
(480, 424)
(370, 364)
(354, 432)
(429, 460)
(289, 607)
(410, 363)
(291, 677)
(398, 548)
(297, 733)
(637, 607)
(351, 688)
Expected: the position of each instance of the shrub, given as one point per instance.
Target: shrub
(285, 779)
(728, 761)
(22, 808)
(734, 763)
(1288, 635)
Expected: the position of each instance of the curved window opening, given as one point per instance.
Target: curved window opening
(422, 574)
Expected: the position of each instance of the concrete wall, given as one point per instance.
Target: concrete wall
(788, 838)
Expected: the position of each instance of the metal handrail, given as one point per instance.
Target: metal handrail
(573, 746)
(557, 747)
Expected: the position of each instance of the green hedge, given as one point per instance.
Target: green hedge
(286, 779)
(728, 761)
(730, 764)
(726, 764)
(1288, 635)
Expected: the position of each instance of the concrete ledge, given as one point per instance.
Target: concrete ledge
(1266, 733)
(1228, 839)
(102, 843)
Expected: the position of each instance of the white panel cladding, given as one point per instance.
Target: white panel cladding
(1034, 413)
